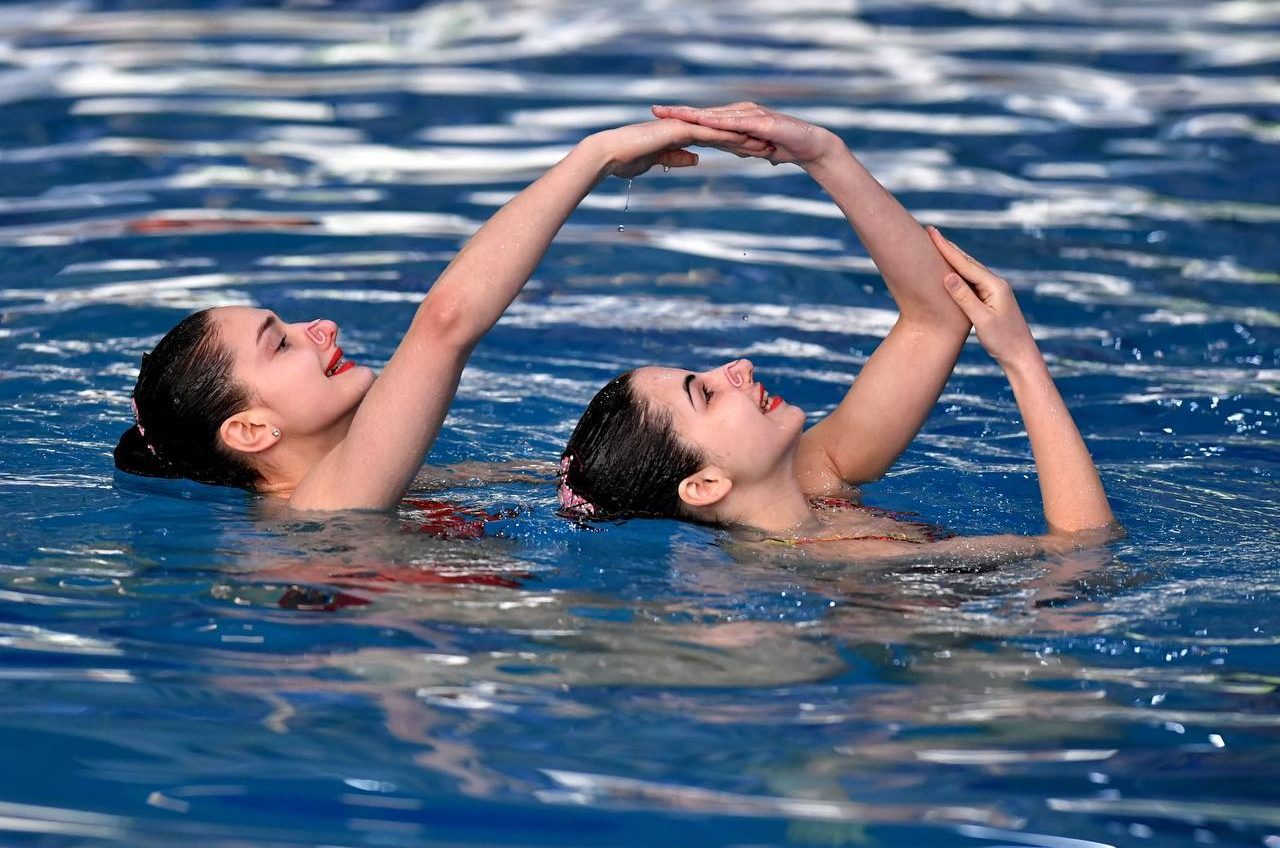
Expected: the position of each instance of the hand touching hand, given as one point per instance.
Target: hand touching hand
(636, 148)
(988, 301)
(788, 139)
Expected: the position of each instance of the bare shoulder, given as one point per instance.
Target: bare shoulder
(332, 485)
(816, 471)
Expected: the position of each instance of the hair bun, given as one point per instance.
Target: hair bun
(135, 456)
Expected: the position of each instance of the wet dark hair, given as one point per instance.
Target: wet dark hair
(185, 391)
(625, 459)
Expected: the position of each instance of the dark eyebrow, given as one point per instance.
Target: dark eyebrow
(688, 381)
(270, 319)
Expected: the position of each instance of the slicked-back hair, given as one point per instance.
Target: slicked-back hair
(185, 391)
(625, 458)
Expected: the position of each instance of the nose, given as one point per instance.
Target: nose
(322, 331)
(740, 372)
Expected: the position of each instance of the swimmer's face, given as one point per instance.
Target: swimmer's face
(727, 415)
(293, 370)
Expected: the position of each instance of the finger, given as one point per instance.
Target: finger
(682, 132)
(946, 247)
(750, 145)
(745, 107)
(680, 113)
(970, 268)
(740, 106)
(695, 115)
(970, 304)
(678, 158)
(759, 126)
(716, 136)
(954, 246)
(688, 114)
(753, 152)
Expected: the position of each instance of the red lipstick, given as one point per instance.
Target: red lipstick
(334, 369)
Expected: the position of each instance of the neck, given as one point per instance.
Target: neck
(775, 505)
(284, 465)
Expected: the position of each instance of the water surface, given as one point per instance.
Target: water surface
(639, 685)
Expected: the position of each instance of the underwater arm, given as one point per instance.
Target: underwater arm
(900, 383)
(478, 473)
(400, 417)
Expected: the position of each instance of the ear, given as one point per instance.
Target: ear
(705, 487)
(249, 431)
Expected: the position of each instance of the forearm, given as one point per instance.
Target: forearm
(1070, 488)
(402, 412)
(900, 384)
(900, 247)
(890, 400)
(494, 264)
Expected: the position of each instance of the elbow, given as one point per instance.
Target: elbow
(443, 325)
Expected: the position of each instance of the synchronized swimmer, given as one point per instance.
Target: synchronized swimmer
(718, 448)
(235, 396)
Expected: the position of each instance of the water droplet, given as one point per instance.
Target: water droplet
(621, 229)
(666, 169)
(626, 204)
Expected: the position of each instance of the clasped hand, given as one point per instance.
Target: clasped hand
(743, 129)
(636, 148)
(786, 138)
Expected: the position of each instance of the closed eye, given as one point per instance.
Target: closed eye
(707, 394)
(284, 342)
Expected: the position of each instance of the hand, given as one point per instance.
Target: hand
(634, 149)
(788, 139)
(988, 301)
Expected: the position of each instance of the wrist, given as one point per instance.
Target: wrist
(832, 152)
(1025, 365)
(595, 152)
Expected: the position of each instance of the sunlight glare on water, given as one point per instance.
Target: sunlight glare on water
(181, 664)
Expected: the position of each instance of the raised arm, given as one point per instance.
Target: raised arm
(901, 381)
(1070, 488)
(400, 417)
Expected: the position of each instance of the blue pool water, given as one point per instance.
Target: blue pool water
(643, 684)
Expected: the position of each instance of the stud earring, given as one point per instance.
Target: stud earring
(275, 432)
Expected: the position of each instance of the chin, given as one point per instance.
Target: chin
(795, 420)
(364, 375)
